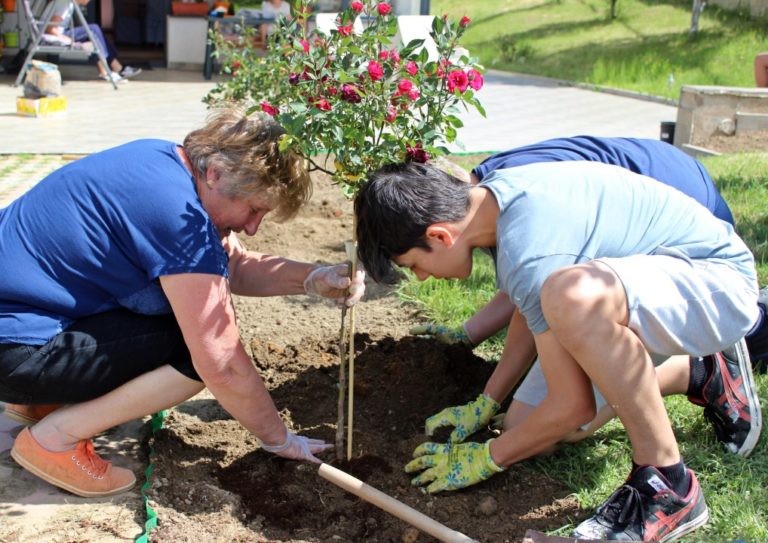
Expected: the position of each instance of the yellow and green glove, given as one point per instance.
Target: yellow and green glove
(443, 334)
(465, 419)
(450, 467)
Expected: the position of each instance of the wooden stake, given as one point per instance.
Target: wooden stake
(391, 505)
(342, 388)
(351, 249)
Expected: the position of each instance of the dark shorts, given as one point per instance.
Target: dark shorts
(94, 356)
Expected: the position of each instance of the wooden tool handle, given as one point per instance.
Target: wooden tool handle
(391, 505)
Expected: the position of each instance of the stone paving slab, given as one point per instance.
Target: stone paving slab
(35, 511)
(524, 109)
(164, 104)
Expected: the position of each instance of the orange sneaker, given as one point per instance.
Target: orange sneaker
(80, 470)
(29, 414)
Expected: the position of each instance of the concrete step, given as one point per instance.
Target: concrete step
(750, 122)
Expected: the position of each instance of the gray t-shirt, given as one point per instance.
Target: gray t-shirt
(554, 215)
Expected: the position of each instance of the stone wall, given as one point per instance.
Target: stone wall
(704, 111)
(757, 9)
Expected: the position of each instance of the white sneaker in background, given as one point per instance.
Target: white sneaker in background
(129, 71)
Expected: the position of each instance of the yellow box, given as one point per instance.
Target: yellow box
(41, 106)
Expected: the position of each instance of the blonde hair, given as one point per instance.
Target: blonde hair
(245, 151)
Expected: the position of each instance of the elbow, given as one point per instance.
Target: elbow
(217, 372)
(221, 376)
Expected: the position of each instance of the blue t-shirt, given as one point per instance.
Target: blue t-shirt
(553, 215)
(655, 159)
(96, 235)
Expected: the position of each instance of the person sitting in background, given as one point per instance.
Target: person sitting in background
(116, 279)
(272, 9)
(63, 11)
(761, 70)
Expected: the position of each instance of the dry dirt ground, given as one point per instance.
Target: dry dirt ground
(214, 484)
(748, 141)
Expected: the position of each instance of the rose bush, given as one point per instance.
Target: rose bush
(354, 96)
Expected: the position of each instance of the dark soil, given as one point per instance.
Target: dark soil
(212, 483)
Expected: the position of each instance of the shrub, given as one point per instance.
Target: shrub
(353, 95)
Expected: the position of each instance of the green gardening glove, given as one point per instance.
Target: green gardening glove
(450, 467)
(466, 419)
(443, 334)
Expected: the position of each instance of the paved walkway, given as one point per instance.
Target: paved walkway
(167, 104)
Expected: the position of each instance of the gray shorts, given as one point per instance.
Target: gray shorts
(676, 305)
(533, 389)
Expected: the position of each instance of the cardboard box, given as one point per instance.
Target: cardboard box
(41, 106)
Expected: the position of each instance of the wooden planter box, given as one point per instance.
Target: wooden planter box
(196, 9)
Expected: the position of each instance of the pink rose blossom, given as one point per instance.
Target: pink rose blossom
(356, 6)
(375, 70)
(475, 79)
(457, 79)
(383, 8)
(345, 30)
(269, 109)
(414, 94)
(350, 93)
(305, 45)
(391, 114)
(416, 153)
(384, 55)
(464, 21)
(395, 56)
(323, 104)
(411, 67)
(404, 85)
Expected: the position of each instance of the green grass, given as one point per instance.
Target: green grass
(735, 488)
(576, 40)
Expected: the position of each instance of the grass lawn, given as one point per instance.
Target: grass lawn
(646, 48)
(734, 487)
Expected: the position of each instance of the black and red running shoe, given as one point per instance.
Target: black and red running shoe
(646, 508)
(730, 399)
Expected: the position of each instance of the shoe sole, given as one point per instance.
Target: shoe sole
(21, 418)
(61, 484)
(756, 424)
(686, 528)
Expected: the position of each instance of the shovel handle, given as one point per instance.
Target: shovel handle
(391, 505)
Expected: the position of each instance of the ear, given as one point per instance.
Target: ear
(442, 233)
(212, 176)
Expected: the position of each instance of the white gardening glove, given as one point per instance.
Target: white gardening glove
(333, 282)
(298, 448)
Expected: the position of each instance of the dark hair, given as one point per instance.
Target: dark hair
(394, 209)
